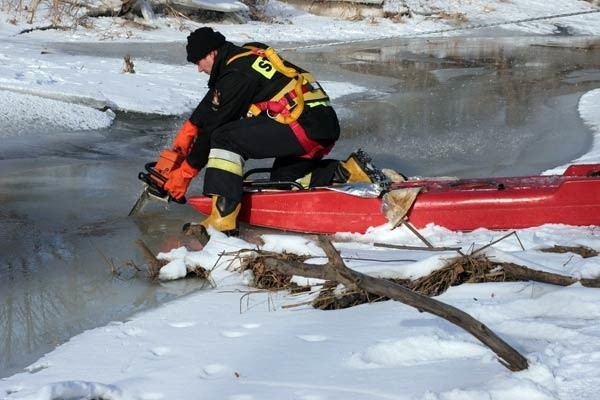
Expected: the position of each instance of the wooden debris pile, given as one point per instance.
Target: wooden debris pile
(465, 268)
(458, 270)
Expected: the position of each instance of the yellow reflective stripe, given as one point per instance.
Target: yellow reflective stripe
(315, 95)
(226, 160)
(305, 180)
(225, 165)
(226, 155)
(318, 103)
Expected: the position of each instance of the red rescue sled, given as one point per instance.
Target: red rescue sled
(457, 204)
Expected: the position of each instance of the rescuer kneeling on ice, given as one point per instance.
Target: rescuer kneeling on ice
(257, 106)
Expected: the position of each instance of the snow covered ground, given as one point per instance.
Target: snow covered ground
(233, 342)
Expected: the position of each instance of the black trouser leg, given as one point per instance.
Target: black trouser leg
(235, 142)
(259, 138)
(292, 168)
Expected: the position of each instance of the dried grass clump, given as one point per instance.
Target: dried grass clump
(265, 278)
(459, 270)
(329, 299)
(55, 11)
(128, 66)
(201, 273)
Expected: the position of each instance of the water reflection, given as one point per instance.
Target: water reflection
(473, 106)
(63, 230)
(58, 284)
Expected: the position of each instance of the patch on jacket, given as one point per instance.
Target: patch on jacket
(216, 100)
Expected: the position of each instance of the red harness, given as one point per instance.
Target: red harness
(312, 148)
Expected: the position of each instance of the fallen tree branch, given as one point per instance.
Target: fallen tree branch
(518, 272)
(424, 248)
(336, 270)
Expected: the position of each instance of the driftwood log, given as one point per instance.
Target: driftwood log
(336, 270)
(518, 272)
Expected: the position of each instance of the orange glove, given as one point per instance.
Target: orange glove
(185, 138)
(180, 179)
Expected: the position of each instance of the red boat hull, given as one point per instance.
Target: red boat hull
(464, 204)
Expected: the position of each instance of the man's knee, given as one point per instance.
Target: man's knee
(222, 138)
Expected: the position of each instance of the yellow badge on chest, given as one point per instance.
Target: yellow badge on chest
(264, 67)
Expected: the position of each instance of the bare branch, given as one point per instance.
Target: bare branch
(336, 270)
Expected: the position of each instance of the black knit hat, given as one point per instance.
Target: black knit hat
(201, 42)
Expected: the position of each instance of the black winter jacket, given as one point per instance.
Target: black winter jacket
(235, 86)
